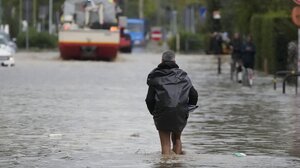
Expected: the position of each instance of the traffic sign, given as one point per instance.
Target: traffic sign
(156, 33)
(297, 2)
(296, 15)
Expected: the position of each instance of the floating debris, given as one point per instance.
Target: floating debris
(55, 136)
(239, 154)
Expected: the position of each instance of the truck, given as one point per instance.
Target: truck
(137, 31)
(89, 30)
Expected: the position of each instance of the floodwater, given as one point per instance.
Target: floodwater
(86, 114)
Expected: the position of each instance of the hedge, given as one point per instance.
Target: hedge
(271, 33)
(41, 40)
(189, 42)
(255, 26)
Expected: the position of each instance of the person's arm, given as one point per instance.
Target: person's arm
(150, 99)
(193, 96)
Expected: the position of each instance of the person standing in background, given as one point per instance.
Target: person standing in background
(236, 46)
(248, 58)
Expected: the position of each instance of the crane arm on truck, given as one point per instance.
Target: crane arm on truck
(94, 8)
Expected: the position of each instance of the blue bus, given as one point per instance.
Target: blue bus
(136, 28)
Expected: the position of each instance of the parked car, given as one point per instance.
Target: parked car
(125, 41)
(6, 53)
(10, 42)
(6, 56)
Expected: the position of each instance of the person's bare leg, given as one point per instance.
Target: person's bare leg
(177, 145)
(165, 142)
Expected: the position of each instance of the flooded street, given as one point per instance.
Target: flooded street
(90, 114)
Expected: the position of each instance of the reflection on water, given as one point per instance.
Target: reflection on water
(169, 165)
(170, 161)
(92, 114)
(235, 118)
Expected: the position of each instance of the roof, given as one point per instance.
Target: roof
(132, 20)
(71, 7)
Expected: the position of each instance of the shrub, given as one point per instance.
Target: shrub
(189, 42)
(41, 40)
(255, 27)
(272, 32)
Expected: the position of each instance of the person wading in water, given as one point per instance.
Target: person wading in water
(169, 95)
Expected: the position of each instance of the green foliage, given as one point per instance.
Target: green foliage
(236, 14)
(11, 12)
(155, 10)
(189, 42)
(149, 8)
(272, 32)
(41, 40)
(256, 24)
(267, 20)
(211, 5)
(268, 44)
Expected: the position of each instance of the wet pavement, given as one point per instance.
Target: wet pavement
(86, 114)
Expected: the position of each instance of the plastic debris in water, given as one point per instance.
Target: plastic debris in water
(239, 154)
(55, 136)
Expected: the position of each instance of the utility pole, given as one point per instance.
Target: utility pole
(27, 28)
(34, 13)
(125, 7)
(50, 15)
(174, 22)
(1, 12)
(158, 16)
(20, 15)
(175, 30)
(192, 21)
(141, 9)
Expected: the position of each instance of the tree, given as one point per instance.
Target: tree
(11, 11)
(236, 15)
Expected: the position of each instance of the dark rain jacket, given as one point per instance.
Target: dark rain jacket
(237, 48)
(248, 57)
(217, 45)
(169, 94)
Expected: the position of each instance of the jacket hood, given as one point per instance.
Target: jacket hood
(166, 73)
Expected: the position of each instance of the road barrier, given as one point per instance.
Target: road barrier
(286, 78)
(280, 73)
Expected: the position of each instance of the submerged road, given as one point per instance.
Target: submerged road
(86, 114)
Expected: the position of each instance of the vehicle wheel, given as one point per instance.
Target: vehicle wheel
(128, 49)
